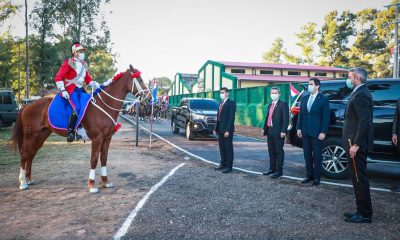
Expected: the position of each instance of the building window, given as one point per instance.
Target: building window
(236, 70)
(320, 74)
(267, 72)
(293, 73)
(343, 75)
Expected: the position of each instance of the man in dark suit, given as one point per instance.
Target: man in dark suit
(358, 140)
(396, 134)
(225, 128)
(275, 127)
(312, 125)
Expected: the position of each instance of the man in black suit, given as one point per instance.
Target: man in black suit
(396, 134)
(358, 140)
(275, 127)
(225, 128)
(312, 125)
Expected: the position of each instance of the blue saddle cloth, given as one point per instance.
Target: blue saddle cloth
(60, 109)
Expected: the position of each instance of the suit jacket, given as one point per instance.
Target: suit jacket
(313, 122)
(67, 71)
(280, 119)
(358, 120)
(226, 119)
(396, 120)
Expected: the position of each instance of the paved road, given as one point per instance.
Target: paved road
(251, 154)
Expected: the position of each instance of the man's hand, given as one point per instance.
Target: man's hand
(353, 151)
(299, 134)
(394, 139)
(65, 94)
(283, 135)
(226, 134)
(321, 136)
(94, 84)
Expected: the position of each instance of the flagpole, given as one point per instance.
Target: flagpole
(151, 122)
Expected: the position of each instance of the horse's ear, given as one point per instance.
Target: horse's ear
(131, 68)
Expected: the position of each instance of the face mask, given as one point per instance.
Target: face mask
(274, 96)
(311, 88)
(81, 56)
(349, 83)
(222, 96)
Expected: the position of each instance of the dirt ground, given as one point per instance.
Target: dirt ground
(59, 206)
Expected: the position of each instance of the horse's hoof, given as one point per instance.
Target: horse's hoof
(30, 182)
(94, 190)
(107, 185)
(23, 186)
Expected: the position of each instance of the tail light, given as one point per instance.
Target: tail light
(295, 110)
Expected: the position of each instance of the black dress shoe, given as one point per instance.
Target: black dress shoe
(316, 183)
(219, 168)
(276, 175)
(307, 180)
(395, 189)
(227, 170)
(269, 172)
(357, 218)
(349, 214)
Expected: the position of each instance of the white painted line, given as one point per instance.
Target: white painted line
(124, 228)
(242, 169)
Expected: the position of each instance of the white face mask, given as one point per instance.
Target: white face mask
(274, 96)
(222, 96)
(81, 56)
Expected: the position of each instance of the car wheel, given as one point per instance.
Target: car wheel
(188, 132)
(334, 159)
(175, 129)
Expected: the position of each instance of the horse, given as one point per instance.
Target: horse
(32, 127)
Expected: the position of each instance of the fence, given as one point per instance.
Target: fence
(251, 102)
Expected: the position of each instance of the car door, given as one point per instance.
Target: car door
(183, 111)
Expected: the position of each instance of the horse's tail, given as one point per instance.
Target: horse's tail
(18, 132)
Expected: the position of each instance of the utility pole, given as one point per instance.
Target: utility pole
(19, 71)
(396, 41)
(27, 49)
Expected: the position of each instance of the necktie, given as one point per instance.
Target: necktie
(310, 102)
(271, 111)
(220, 109)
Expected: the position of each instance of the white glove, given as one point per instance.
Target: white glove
(94, 84)
(65, 94)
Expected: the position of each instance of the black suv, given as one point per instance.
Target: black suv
(8, 108)
(195, 115)
(385, 93)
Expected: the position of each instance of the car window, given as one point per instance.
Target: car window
(5, 100)
(337, 91)
(204, 104)
(385, 94)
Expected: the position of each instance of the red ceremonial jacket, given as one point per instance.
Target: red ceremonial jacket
(66, 71)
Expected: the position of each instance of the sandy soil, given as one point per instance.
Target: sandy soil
(59, 205)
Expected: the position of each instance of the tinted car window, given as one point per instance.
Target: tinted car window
(5, 100)
(385, 94)
(337, 91)
(204, 104)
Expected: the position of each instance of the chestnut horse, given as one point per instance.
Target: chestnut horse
(32, 127)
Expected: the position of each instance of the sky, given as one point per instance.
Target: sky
(163, 37)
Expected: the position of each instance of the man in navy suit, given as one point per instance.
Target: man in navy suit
(312, 125)
(225, 128)
(275, 127)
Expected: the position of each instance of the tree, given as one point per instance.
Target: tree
(306, 41)
(275, 53)
(164, 84)
(7, 9)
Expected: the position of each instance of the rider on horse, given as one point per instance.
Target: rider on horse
(70, 78)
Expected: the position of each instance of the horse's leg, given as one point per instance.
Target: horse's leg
(31, 144)
(96, 144)
(103, 159)
(42, 136)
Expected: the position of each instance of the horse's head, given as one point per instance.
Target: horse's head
(138, 87)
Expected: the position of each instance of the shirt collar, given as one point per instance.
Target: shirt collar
(355, 89)
(274, 102)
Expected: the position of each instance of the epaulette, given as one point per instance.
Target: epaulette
(71, 63)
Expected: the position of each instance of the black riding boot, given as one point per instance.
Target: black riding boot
(71, 125)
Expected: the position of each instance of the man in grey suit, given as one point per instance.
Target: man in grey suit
(396, 134)
(358, 140)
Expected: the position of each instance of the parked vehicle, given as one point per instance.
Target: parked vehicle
(198, 116)
(385, 93)
(8, 108)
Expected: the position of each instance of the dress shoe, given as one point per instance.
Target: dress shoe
(357, 218)
(349, 214)
(395, 188)
(276, 175)
(227, 170)
(316, 183)
(307, 180)
(219, 168)
(269, 172)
